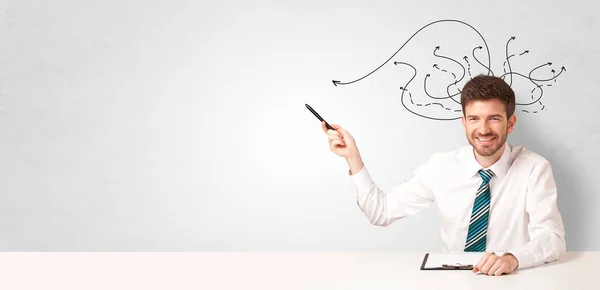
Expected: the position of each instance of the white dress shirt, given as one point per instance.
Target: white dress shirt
(523, 220)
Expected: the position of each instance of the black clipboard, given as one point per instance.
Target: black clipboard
(444, 266)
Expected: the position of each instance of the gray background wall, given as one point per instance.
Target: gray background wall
(181, 126)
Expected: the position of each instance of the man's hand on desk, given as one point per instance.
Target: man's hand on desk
(493, 265)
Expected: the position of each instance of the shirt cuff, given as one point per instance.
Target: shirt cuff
(362, 180)
(524, 257)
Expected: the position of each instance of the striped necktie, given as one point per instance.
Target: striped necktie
(476, 238)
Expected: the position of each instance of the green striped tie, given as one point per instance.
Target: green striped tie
(478, 224)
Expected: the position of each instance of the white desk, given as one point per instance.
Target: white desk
(282, 271)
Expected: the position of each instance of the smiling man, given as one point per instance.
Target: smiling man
(493, 197)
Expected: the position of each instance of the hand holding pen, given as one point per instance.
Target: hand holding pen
(341, 143)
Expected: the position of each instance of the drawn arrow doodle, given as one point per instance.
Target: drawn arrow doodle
(335, 82)
(421, 102)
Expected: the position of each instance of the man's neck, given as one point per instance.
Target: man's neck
(487, 161)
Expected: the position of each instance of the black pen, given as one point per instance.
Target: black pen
(318, 116)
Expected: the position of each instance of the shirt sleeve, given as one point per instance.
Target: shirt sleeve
(408, 198)
(546, 229)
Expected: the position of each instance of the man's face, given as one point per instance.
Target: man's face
(487, 126)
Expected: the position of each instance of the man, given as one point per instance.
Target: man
(492, 196)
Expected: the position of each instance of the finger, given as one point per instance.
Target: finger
(482, 261)
(338, 128)
(333, 132)
(488, 264)
(323, 127)
(334, 137)
(495, 267)
(503, 269)
(337, 142)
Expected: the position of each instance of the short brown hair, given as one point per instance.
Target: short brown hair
(483, 87)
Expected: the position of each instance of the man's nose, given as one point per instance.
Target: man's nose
(485, 129)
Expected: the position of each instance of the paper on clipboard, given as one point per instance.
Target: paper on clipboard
(452, 260)
(436, 260)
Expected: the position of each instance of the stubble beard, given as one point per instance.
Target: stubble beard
(487, 151)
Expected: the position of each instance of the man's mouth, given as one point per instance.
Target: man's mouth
(485, 140)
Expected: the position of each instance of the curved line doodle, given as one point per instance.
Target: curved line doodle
(415, 101)
(430, 24)
(478, 61)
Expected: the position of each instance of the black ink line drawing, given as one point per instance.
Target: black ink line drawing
(453, 89)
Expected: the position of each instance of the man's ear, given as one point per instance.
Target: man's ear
(511, 123)
(463, 121)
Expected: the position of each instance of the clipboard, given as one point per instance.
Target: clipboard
(450, 261)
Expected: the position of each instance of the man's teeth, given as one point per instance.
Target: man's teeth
(485, 139)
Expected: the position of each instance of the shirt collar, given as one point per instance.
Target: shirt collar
(500, 168)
